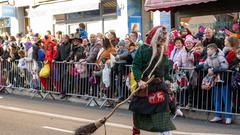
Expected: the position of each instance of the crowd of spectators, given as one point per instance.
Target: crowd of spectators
(109, 56)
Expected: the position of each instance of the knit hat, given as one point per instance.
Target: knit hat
(189, 38)
(121, 43)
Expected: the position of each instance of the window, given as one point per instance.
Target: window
(228, 23)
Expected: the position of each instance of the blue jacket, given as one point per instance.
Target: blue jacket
(41, 55)
(83, 34)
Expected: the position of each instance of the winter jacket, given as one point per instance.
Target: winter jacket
(105, 54)
(217, 62)
(230, 55)
(76, 50)
(93, 53)
(142, 59)
(14, 57)
(174, 54)
(123, 54)
(200, 58)
(41, 55)
(218, 42)
(63, 52)
(182, 59)
(1, 50)
(235, 64)
(49, 54)
(83, 34)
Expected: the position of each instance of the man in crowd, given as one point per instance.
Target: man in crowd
(95, 46)
(210, 38)
(63, 54)
(93, 39)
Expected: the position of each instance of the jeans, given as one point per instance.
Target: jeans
(222, 92)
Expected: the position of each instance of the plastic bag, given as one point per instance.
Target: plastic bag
(35, 80)
(106, 76)
(133, 83)
(207, 82)
(45, 71)
(22, 64)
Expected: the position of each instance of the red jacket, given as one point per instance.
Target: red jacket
(230, 57)
(51, 52)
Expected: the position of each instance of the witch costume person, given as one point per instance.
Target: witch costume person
(153, 104)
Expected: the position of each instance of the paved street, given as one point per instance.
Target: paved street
(23, 116)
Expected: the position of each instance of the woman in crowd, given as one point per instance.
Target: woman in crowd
(113, 38)
(106, 51)
(231, 43)
(185, 59)
(178, 42)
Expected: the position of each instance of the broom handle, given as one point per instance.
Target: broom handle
(123, 102)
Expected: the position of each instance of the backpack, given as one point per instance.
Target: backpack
(235, 83)
(207, 82)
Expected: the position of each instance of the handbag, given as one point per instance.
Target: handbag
(45, 71)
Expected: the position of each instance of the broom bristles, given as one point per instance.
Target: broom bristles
(90, 128)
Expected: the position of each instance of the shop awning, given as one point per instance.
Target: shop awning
(152, 5)
(65, 7)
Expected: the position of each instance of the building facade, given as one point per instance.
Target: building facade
(65, 15)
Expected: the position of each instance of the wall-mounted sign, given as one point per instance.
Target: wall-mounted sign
(7, 11)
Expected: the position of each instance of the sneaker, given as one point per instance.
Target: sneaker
(188, 106)
(120, 100)
(9, 85)
(92, 104)
(63, 96)
(228, 121)
(216, 119)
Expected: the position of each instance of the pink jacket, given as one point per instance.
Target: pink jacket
(185, 59)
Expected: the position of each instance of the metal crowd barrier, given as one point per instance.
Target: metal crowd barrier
(85, 80)
(220, 99)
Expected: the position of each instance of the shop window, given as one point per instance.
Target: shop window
(224, 24)
(5, 25)
(60, 18)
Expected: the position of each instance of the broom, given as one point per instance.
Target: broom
(92, 127)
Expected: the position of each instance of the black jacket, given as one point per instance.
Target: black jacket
(76, 50)
(218, 42)
(1, 51)
(63, 52)
(7, 55)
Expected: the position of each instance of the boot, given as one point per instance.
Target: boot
(135, 131)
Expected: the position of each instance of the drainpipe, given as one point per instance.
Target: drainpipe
(101, 14)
